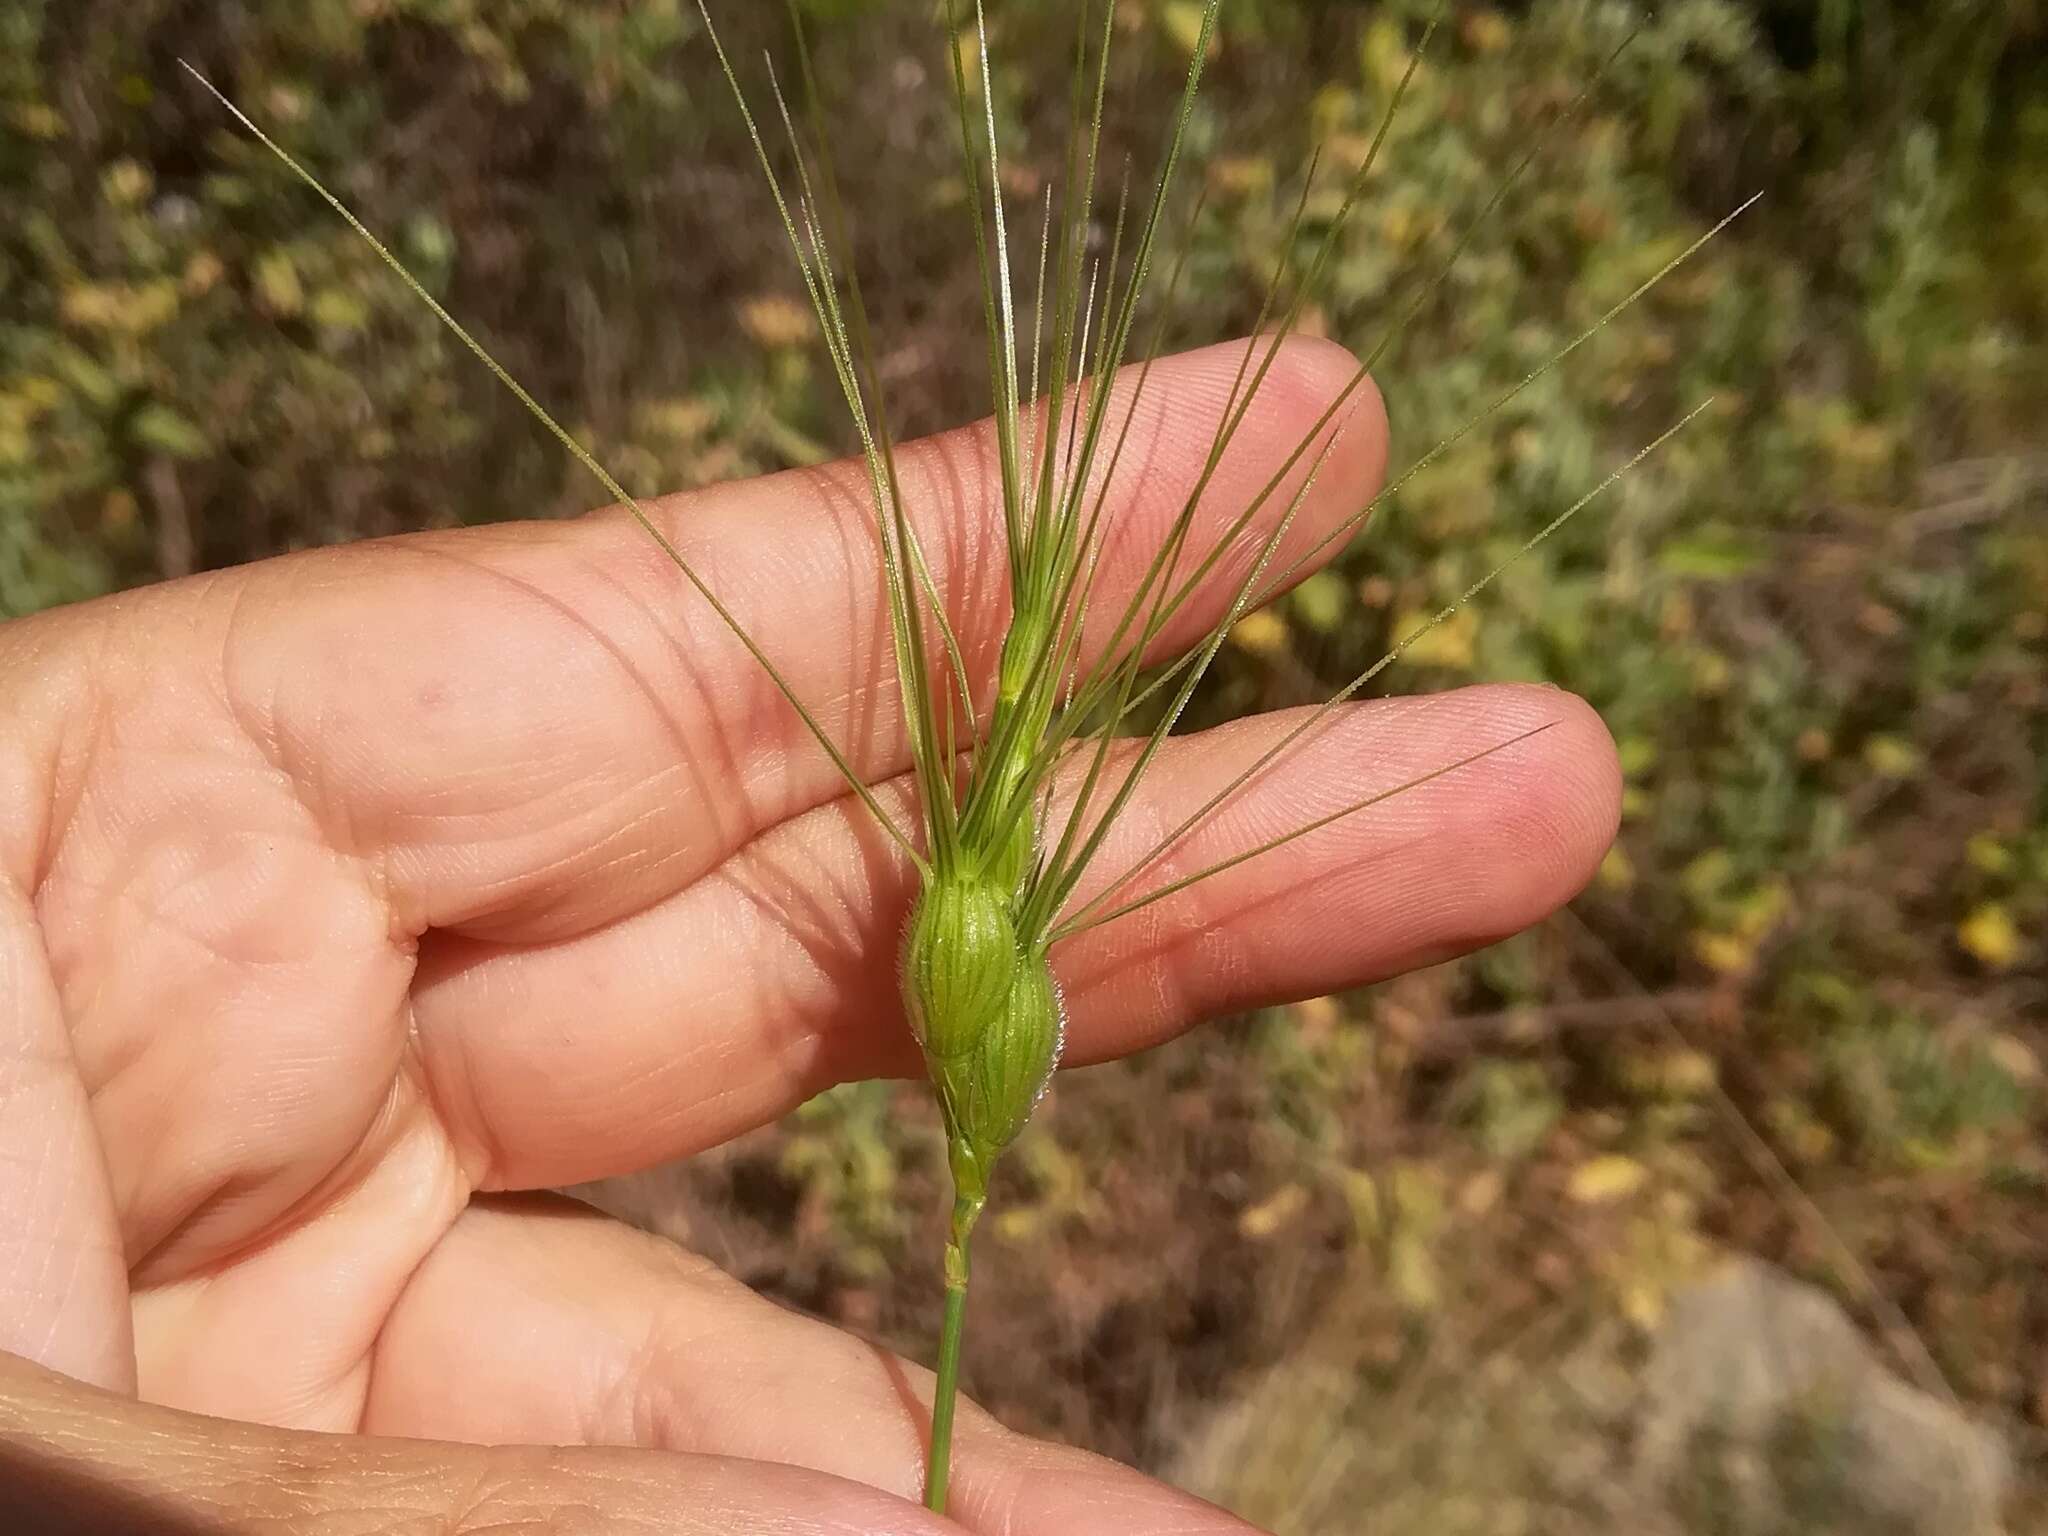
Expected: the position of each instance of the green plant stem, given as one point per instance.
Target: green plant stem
(966, 1210)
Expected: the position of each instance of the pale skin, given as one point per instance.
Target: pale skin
(346, 896)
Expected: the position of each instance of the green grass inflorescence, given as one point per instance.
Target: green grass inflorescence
(999, 871)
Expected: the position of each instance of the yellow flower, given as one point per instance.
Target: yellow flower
(774, 321)
(1991, 936)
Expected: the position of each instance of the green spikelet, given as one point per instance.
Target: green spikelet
(987, 1014)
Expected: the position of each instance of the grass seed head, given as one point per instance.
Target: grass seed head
(996, 892)
(987, 1014)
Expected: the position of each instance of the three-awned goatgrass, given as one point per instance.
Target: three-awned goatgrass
(998, 874)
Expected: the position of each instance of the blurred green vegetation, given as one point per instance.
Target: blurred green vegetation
(1815, 621)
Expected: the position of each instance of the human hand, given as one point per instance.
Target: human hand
(344, 896)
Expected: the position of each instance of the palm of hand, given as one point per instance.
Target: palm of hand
(358, 887)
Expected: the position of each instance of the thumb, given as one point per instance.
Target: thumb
(77, 1461)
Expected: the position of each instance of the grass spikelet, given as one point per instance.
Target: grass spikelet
(998, 873)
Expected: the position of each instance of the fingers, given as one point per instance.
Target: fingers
(637, 1343)
(732, 1002)
(534, 729)
(62, 1269)
(1449, 866)
(75, 1461)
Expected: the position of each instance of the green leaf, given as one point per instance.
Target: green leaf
(336, 309)
(430, 242)
(278, 285)
(1892, 757)
(159, 427)
(1711, 556)
(91, 382)
(1181, 20)
(1321, 602)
